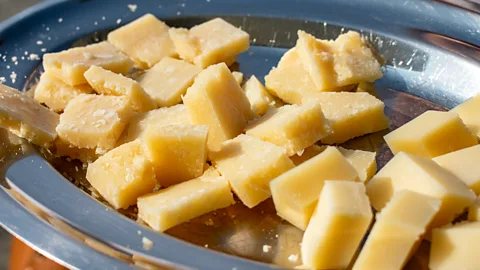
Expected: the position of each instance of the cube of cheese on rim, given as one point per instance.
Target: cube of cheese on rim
(145, 40)
(56, 94)
(294, 127)
(350, 114)
(474, 211)
(422, 175)
(463, 164)
(65, 149)
(468, 112)
(169, 207)
(339, 222)
(26, 118)
(215, 99)
(123, 174)
(363, 161)
(259, 98)
(70, 65)
(455, 247)
(398, 231)
(295, 193)
(106, 82)
(94, 121)
(178, 152)
(431, 134)
(168, 80)
(249, 164)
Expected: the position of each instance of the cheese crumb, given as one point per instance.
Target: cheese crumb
(119, 21)
(39, 42)
(293, 257)
(33, 57)
(209, 222)
(13, 77)
(60, 20)
(14, 59)
(132, 8)
(147, 244)
(2, 80)
(267, 248)
(43, 49)
(139, 232)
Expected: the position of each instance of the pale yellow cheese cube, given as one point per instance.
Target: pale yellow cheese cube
(168, 80)
(175, 115)
(178, 152)
(295, 193)
(422, 175)
(363, 161)
(105, 82)
(123, 174)
(186, 45)
(26, 118)
(215, 99)
(65, 149)
(290, 81)
(259, 98)
(70, 65)
(397, 232)
(238, 77)
(464, 165)
(94, 121)
(474, 211)
(338, 224)
(307, 154)
(249, 164)
(56, 94)
(294, 127)
(431, 134)
(145, 40)
(350, 114)
(470, 115)
(169, 207)
(455, 247)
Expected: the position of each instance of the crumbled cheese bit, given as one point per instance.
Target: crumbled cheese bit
(14, 59)
(119, 21)
(77, 28)
(206, 245)
(103, 18)
(26, 52)
(293, 257)
(209, 222)
(267, 248)
(95, 23)
(33, 57)
(43, 49)
(39, 42)
(48, 28)
(132, 8)
(8, 66)
(60, 20)
(147, 244)
(3, 80)
(178, 13)
(139, 232)
(13, 76)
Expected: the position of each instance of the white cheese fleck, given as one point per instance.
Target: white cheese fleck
(14, 59)
(43, 49)
(267, 248)
(33, 57)
(293, 257)
(103, 18)
(132, 8)
(13, 76)
(119, 21)
(39, 42)
(60, 20)
(147, 244)
(77, 28)
(2, 80)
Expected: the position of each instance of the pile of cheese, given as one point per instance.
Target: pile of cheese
(179, 138)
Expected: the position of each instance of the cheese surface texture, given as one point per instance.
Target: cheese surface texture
(307, 154)
(363, 161)
(431, 134)
(259, 98)
(186, 45)
(249, 164)
(470, 115)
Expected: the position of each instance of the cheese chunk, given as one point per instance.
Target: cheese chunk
(26, 118)
(333, 64)
(295, 193)
(339, 222)
(249, 164)
(168, 80)
(238, 77)
(294, 127)
(70, 65)
(259, 98)
(178, 152)
(65, 149)
(56, 94)
(307, 154)
(474, 211)
(397, 232)
(94, 121)
(422, 175)
(215, 99)
(350, 114)
(455, 247)
(290, 81)
(463, 164)
(175, 115)
(169, 207)
(186, 45)
(363, 161)
(106, 82)
(431, 134)
(145, 40)
(122, 175)
(470, 115)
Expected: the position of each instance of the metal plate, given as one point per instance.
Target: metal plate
(432, 62)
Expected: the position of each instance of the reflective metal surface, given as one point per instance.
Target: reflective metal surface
(429, 66)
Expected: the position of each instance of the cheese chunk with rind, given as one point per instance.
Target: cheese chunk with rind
(259, 98)
(469, 113)
(455, 247)
(338, 224)
(26, 118)
(350, 114)
(249, 164)
(474, 211)
(168, 80)
(145, 40)
(363, 161)
(70, 65)
(169, 207)
(295, 193)
(215, 99)
(56, 94)
(431, 134)
(422, 175)
(294, 127)
(123, 174)
(94, 121)
(397, 232)
(105, 82)
(178, 152)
